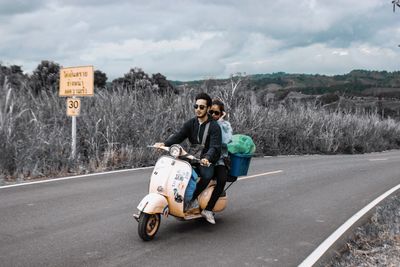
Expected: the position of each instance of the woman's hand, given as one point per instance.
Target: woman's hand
(222, 116)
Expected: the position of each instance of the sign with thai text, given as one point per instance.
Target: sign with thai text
(77, 81)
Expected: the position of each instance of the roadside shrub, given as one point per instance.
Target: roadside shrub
(116, 125)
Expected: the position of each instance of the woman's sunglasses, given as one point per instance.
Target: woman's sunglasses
(201, 107)
(212, 112)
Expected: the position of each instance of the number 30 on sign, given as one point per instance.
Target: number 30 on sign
(73, 107)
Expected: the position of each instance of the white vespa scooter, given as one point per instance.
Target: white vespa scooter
(168, 183)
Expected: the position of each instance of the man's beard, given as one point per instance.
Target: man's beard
(200, 117)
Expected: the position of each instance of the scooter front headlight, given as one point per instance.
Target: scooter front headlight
(175, 151)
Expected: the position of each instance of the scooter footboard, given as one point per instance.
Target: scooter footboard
(153, 203)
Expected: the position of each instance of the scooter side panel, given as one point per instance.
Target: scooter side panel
(153, 203)
(206, 195)
(179, 178)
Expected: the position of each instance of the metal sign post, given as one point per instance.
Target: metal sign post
(75, 81)
(73, 146)
(73, 110)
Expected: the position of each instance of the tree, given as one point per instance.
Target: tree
(131, 78)
(16, 69)
(100, 79)
(46, 76)
(164, 86)
(13, 75)
(395, 3)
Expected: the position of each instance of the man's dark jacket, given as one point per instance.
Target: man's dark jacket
(192, 130)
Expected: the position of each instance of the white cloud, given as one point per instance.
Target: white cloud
(340, 52)
(193, 39)
(135, 47)
(319, 58)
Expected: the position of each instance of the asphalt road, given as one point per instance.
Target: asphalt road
(271, 220)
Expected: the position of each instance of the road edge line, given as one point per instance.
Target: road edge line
(109, 172)
(73, 177)
(317, 254)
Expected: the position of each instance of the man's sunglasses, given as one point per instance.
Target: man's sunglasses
(212, 112)
(201, 107)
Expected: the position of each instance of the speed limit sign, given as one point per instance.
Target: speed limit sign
(73, 107)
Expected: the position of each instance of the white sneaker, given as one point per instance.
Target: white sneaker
(209, 216)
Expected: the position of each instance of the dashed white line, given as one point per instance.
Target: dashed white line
(261, 174)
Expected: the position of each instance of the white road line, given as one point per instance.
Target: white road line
(110, 172)
(380, 159)
(261, 174)
(324, 246)
(74, 177)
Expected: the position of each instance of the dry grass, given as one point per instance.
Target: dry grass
(116, 126)
(378, 242)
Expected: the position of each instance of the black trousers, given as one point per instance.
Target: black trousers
(220, 174)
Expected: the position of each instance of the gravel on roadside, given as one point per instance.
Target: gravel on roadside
(377, 243)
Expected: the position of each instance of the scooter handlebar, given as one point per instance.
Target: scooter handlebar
(159, 147)
(184, 154)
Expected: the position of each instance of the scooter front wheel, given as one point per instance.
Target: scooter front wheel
(148, 225)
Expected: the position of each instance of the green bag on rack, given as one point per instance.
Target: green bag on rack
(241, 144)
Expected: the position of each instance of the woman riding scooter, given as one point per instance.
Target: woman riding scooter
(217, 111)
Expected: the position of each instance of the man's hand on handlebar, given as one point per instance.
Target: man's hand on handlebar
(159, 145)
(205, 162)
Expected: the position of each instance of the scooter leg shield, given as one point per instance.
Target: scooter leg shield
(153, 203)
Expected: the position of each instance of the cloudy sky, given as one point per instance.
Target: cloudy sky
(187, 40)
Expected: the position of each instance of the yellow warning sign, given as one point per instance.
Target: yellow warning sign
(77, 81)
(73, 107)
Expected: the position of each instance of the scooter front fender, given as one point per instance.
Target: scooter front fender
(154, 203)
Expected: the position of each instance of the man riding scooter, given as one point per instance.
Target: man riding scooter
(194, 130)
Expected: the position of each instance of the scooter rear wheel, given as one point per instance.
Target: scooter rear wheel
(148, 225)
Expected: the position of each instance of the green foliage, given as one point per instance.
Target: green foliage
(163, 85)
(328, 99)
(139, 81)
(116, 125)
(46, 76)
(13, 75)
(100, 79)
(355, 83)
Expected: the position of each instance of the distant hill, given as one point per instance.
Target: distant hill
(356, 83)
